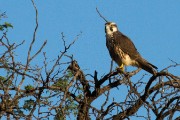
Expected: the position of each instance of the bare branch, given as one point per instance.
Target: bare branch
(34, 35)
(101, 15)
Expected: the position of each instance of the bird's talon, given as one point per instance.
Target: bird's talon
(122, 67)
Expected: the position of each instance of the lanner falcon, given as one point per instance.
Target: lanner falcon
(123, 51)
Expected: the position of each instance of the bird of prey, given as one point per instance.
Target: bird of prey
(123, 51)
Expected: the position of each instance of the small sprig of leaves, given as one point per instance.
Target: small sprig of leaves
(3, 15)
(64, 81)
(6, 25)
(28, 88)
(28, 104)
(2, 78)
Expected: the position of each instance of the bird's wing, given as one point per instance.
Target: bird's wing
(126, 45)
(129, 48)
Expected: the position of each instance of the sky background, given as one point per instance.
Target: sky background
(153, 26)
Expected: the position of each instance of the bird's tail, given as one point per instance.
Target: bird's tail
(148, 66)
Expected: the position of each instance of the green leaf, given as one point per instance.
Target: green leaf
(28, 104)
(2, 78)
(8, 25)
(29, 87)
(63, 83)
(1, 28)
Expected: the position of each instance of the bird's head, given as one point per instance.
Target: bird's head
(110, 28)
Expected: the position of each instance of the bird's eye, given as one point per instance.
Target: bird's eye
(111, 28)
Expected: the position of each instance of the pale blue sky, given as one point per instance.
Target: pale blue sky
(153, 26)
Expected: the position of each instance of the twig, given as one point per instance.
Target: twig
(38, 51)
(111, 67)
(66, 47)
(30, 47)
(34, 34)
(101, 15)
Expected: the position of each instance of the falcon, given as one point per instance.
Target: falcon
(123, 51)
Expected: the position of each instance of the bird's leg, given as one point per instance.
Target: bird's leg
(111, 67)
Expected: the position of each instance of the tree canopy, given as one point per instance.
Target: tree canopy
(62, 90)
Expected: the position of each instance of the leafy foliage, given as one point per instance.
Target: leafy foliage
(64, 81)
(69, 108)
(6, 25)
(2, 78)
(29, 87)
(28, 104)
